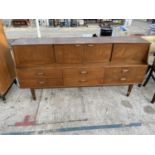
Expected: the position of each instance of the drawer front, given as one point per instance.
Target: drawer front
(83, 72)
(116, 75)
(82, 82)
(97, 53)
(40, 83)
(67, 54)
(38, 73)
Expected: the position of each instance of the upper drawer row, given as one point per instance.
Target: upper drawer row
(32, 55)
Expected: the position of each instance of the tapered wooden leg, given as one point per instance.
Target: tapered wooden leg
(3, 98)
(33, 94)
(129, 90)
(139, 85)
(15, 82)
(153, 99)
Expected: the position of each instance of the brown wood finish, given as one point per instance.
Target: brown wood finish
(7, 73)
(130, 53)
(83, 81)
(32, 73)
(68, 53)
(33, 55)
(40, 83)
(69, 62)
(79, 40)
(127, 74)
(94, 53)
(83, 72)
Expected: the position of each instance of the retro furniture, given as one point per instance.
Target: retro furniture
(76, 62)
(7, 72)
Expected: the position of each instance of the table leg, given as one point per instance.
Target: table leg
(3, 97)
(129, 90)
(33, 93)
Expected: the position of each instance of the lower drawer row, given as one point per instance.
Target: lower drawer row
(39, 78)
(41, 83)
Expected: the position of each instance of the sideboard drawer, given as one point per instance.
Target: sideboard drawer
(81, 82)
(31, 73)
(130, 74)
(40, 83)
(83, 72)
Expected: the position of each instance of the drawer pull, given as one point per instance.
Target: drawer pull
(90, 45)
(83, 72)
(41, 82)
(123, 79)
(125, 70)
(40, 74)
(77, 45)
(83, 80)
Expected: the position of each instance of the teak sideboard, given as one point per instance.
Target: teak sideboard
(69, 62)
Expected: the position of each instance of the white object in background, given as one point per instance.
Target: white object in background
(81, 22)
(128, 22)
(47, 22)
(38, 28)
(86, 35)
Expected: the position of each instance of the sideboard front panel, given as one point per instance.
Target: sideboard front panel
(130, 53)
(97, 53)
(33, 55)
(68, 54)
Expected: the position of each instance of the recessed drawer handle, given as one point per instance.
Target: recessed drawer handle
(42, 82)
(83, 80)
(90, 45)
(40, 74)
(125, 70)
(83, 72)
(77, 45)
(123, 79)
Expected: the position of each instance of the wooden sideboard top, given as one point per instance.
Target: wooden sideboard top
(78, 40)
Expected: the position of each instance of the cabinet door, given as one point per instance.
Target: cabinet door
(68, 53)
(130, 53)
(32, 55)
(7, 73)
(97, 53)
(5, 79)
